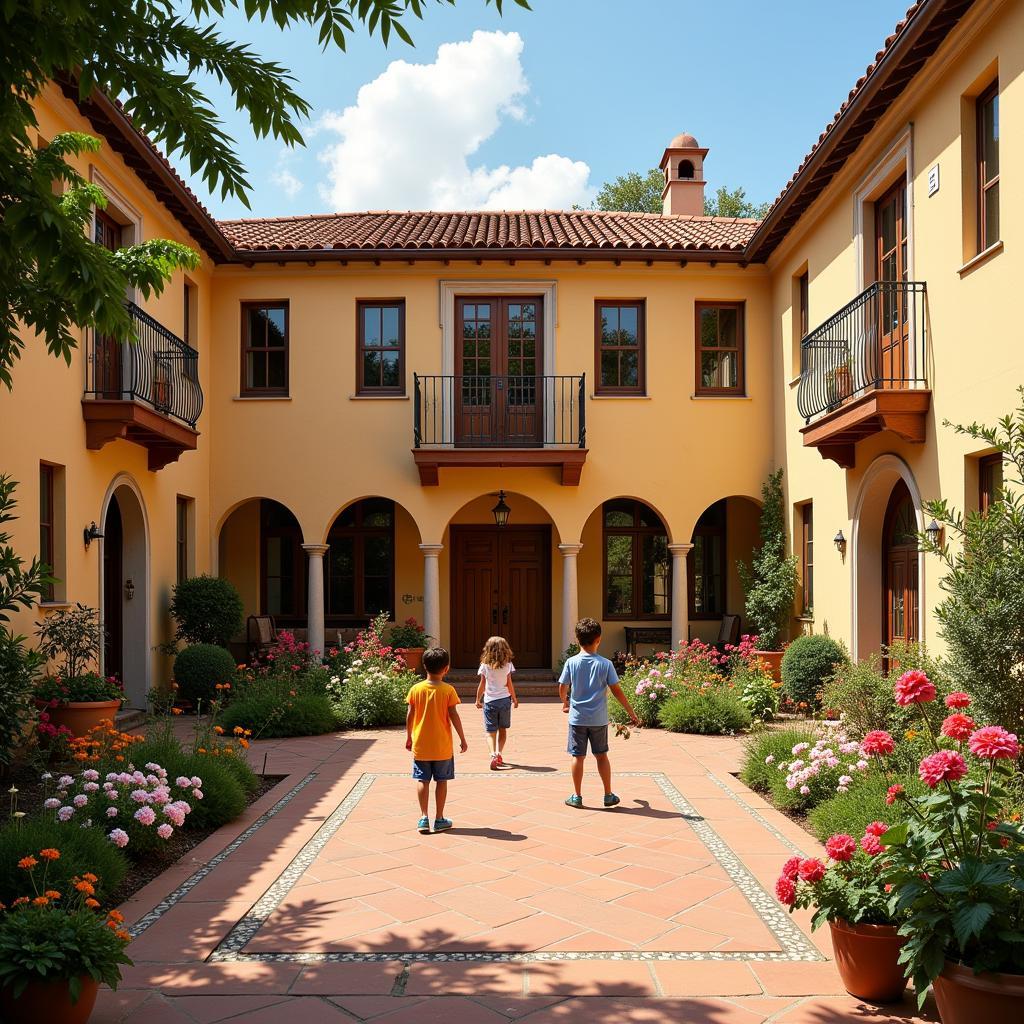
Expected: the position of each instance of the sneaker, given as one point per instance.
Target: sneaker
(500, 760)
(495, 762)
(574, 801)
(442, 825)
(423, 825)
(610, 800)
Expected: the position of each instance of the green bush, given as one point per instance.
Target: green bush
(852, 812)
(19, 666)
(240, 768)
(371, 695)
(758, 775)
(197, 669)
(208, 610)
(710, 711)
(81, 850)
(271, 715)
(808, 662)
(647, 703)
(223, 796)
(757, 690)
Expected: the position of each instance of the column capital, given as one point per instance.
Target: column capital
(570, 550)
(680, 550)
(316, 550)
(431, 550)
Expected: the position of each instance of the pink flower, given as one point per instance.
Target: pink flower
(958, 700)
(140, 796)
(942, 766)
(994, 742)
(51, 804)
(841, 847)
(119, 838)
(81, 800)
(111, 812)
(812, 870)
(870, 845)
(165, 831)
(893, 794)
(876, 743)
(65, 813)
(914, 687)
(876, 828)
(791, 868)
(957, 726)
(197, 793)
(183, 782)
(145, 815)
(785, 890)
(90, 775)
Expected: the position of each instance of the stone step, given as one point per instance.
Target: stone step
(130, 720)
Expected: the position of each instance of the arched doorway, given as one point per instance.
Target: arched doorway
(900, 552)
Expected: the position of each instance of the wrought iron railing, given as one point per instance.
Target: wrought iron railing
(499, 412)
(157, 369)
(876, 342)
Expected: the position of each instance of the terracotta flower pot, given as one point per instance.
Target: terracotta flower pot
(413, 657)
(867, 956)
(81, 716)
(964, 997)
(773, 659)
(49, 1001)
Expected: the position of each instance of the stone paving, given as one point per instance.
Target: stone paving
(323, 904)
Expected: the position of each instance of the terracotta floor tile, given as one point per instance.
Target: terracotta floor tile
(590, 978)
(440, 979)
(367, 1007)
(308, 1010)
(443, 1010)
(347, 979)
(686, 978)
(211, 1009)
(798, 979)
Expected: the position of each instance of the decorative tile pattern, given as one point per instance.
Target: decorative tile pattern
(793, 944)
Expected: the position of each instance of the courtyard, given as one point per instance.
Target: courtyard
(322, 903)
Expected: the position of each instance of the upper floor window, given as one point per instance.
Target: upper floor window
(706, 564)
(990, 481)
(636, 562)
(987, 106)
(720, 348)
(264, 348)
(802, 285)
(619, 339)
(380, 358)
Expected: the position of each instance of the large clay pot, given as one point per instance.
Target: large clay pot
(413, 657)
(49, 1002)
(81, 716)
(867, 956)
(964, 997)
(773, 659)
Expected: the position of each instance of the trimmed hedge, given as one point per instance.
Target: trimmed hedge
(199, 668)
(808, 662)
(710, 712)
(208, 610)
(270, 715)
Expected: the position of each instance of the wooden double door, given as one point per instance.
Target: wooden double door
(900, 556)
(501, 584)
(891, 271)
(499, 388)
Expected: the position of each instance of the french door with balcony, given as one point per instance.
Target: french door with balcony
(499, 389)
(890, 271)
(107, 369)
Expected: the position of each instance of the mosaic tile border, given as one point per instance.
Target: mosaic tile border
(154, 915)
(794, 945)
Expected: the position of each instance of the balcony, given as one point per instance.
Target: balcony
(145, 390)
(499, 421)
(865, 370)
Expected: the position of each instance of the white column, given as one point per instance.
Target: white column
(570, 593)
(680, 610)
(315, 596)
(432, 591)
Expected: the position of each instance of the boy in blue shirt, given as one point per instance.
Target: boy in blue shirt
(583, 687)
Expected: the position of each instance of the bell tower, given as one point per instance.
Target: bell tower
(683, 167)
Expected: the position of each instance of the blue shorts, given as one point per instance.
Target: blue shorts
(497, 714)
(437, 771)
(580, 735)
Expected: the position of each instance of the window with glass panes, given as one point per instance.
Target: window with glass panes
(360, 562)
(706, 565)
(264, 348)
(807, 555)
(47, 524)
(719, 348)
(990, 481)
(988, 167)
(283, 564)
(620, 347)
(637, 581)
(380, 365)
(182, 537)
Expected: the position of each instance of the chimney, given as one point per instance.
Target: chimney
(683, 167)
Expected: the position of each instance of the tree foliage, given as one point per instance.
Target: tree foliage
(634, 192)
(734, 203)
(149, 54)
(981, 617)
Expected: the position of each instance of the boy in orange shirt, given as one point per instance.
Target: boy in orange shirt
(428, 734)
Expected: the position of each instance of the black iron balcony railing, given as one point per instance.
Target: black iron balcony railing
(158, 369)
(879, 341)
(499, 412)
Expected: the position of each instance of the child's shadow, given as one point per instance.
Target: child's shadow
(527, 767)
(501, 834)
(645, 810)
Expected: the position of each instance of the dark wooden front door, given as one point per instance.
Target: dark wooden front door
(501, 584)
(891, 266)
(107, 367)
(900, 554)
(113, 581)
(498, 368)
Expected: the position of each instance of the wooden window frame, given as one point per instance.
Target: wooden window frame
(640, 388)
(47, 541)
(182, 510)
(984, 98)
(267, 392)
(741, 344)
(361, 387)
(359, 533)
(299, 583)
(803, 290)
(638, 533)
(807, 557)
(985, 463)
(699, 532)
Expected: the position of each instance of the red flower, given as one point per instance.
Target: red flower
(876, 828)
(957, 726)
(785, 890)
(958, 700)
(812, 870)
(914, 687)
(791, 868)
(870, 845)
(942, 766)
(877, 743)
(841, 847)
(994, 742)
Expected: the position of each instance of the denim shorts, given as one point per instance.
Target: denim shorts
(580, 735)
(497, 714)
(436, 771)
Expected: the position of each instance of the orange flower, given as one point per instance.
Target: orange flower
(123, 935)
(120, 757)
(116, 915)
(85, 887)
(90, 877)
(176, 711)
(92, 904)
(27, 863)
(40, 901)
(50, 854)
(18, 902)
(52, 894)
(238, 730)
(81, 756)
(244, 743)
(218, 730)
(202, 750)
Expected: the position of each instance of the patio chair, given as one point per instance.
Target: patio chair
(728, 633)
(260, 634)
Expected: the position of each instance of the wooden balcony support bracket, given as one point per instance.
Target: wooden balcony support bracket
(569, 461)
(164, 439)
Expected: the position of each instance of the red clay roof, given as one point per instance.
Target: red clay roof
(585, 231)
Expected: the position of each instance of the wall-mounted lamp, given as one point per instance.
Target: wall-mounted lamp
(129, 589)
(840, 542)
(501, 511)
(934, 533)
(92, 532)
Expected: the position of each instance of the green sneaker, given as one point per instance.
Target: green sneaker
(423, 825)
(610, 800)
(574, 801)
(442, 825)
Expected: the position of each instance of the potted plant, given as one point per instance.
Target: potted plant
(56, 949)
(769, 581)
(956, 867)
(410, 640)
(76, 698)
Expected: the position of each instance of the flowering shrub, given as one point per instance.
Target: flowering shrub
(758, 690)
(88, 686)
(956, 864)
(291, 655)
(816, 770)
(371, 695)
(408, 634)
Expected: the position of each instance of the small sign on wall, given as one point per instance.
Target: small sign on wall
(933, 180)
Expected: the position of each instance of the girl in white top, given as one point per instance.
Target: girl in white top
(496, 695)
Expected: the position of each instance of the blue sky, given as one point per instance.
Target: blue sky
(537, 109)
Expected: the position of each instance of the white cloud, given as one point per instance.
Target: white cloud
(282, 176)
(406, 142)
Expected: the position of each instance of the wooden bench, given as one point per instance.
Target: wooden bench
(660, 636)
